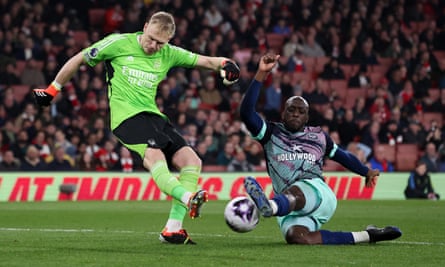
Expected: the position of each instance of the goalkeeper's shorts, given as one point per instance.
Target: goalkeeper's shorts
(149, 130)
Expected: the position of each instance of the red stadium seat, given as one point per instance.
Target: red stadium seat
(406, 157)
(351, 96)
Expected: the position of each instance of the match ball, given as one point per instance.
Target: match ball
(241, 214)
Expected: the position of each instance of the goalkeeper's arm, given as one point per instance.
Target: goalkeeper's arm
(44, 97)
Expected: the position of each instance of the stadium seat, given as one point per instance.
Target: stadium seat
(320, 62)
(351, 96)
(298, 76)
(376, 77)
(406, 157)
(382, 69)
(309, 63)
(339, 85)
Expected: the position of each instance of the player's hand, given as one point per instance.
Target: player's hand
(229, 72)
(44, 97)
(267, 62)
(371, 177)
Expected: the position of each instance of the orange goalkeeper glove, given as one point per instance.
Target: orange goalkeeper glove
(44, 97)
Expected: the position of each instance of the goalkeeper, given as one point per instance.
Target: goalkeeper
(303, 202)
(135, 65)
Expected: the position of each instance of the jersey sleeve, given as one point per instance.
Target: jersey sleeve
(103, 49)
(181, 57)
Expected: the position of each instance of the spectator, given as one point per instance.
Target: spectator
(431, 157)
(379, 160)
(20, 146)
(32, 160)
(391, 133)
(273, 99)
(332, 70)
(291, 45)
(310, 47)
(113, 19)
(419, 184)
(347, 55)
(59, 160)
(239, 163)
(85, 162)
(8, 74)
(370, 137)
(361, 79)
(32, 75)
(207, 157)
(281, 27)
(210, 96)
(225, 156)
(9, 162)
(125, 162)
(348, 128)
(40, 143)
(414, 134)
(60, 140)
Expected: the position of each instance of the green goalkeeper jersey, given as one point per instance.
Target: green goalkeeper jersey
(133, 76)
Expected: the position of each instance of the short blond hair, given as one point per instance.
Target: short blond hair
(164, 21)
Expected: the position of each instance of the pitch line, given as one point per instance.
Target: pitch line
(12, 229)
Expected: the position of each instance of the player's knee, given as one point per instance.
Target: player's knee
(297, 235)
(298, 240)
(186, 157)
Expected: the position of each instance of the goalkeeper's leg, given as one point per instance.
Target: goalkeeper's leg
(188, 177)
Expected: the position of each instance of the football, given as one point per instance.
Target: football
(241, 214)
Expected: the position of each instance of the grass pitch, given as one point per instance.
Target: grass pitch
(126, 234)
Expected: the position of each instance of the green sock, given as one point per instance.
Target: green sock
(166, 181)
(188, 177)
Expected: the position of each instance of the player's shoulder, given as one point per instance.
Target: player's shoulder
(119, 37)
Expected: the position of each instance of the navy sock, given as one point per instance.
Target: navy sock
(282, 203)
(336, 238)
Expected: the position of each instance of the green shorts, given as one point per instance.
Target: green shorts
(321, 203)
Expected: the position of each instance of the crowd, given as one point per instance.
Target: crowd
(355, 38)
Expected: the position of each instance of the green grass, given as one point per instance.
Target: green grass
(126, 234)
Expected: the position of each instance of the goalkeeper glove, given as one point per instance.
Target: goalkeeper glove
(229, 72)
(43, 97)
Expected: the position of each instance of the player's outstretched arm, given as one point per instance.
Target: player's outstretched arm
(351, 162)
(44, 97)
(248, 114)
